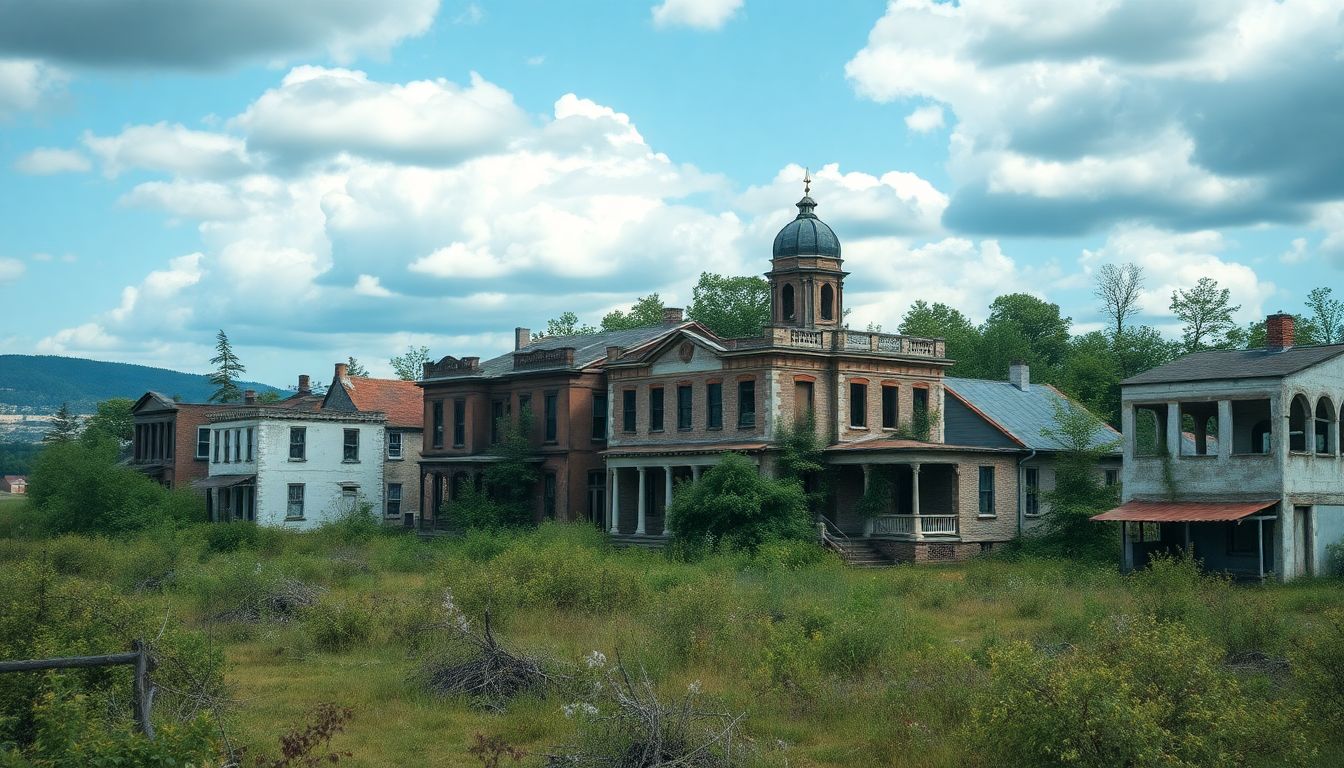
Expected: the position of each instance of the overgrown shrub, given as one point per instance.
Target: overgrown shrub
(1140, 693)
(1318, 665)
(735, 505)
(230, 537)
(337, 626)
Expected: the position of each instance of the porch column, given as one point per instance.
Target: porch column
(1174, 430)
(1224, 429)
(914, 500)
(667, 494)
(643, 502)
(615, 500)
(1260, 546)
(867, 478)
(695, 472)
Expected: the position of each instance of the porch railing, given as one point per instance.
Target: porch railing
(904, 525)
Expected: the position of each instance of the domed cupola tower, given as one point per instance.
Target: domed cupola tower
(807, 285)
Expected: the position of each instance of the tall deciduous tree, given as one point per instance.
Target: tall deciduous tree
(64, 426)
(1119, 288)
(410, 366)
(567, 324)
(355, 368)
(647, 311)
(1207, 313)
(732, 307)
(1045, 330)
(114, 419)
(1327, 315)
(941, 321)
(228, 369)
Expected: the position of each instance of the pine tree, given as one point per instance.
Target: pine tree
(355, 368)
(225, 377)
(64, 426)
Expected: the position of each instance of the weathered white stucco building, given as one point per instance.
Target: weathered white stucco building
(1235, 456)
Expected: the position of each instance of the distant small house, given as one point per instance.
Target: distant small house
(1234, 456)
(14, 484)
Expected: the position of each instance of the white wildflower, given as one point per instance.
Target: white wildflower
(694, 687)
(596, 660)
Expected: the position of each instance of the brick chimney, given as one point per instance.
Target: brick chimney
(673, 315)
(305, 388)
(614, 352)
(342, 372)
(521, 338)
(1019, 374)
(1279, 331)
(250, 397)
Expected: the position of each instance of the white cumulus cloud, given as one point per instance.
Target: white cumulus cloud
(924, 119)
(45, 161)
(697, 14)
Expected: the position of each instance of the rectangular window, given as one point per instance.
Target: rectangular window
(351, 445)
(552, 418)
(858, 405)
(498, 412)
(1033, 490)
(548, 495)
(599, 415)
(238, 445)
(394, 445)
(202, 442)
(746, 403)
(294, 511)
(394, 499)
(228, 444)
(436, 418)
(890, 406)
(986, 491)
(714, 398)
(298, 439)
(921, 403)
(251, 442)
(628, 410)
(459, 423)
(802, 399)
(524, 403)
(685, 414)
(656, 409)
(216, 444)
(349, 499)
(1112, 477)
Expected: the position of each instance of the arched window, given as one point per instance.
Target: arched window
(1325, 414)
(1298, 416)
(827, 302)
(786, 301)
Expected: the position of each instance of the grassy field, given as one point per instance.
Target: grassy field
(829, 666)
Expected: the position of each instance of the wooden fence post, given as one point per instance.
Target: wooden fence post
(143, 690)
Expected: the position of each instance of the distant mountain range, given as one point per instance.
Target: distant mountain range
(38, 384)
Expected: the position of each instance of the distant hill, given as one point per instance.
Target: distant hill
(38, 384)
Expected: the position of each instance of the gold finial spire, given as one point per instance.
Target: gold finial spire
(807, 182)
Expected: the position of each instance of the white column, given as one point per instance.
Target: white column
(914, 500)
(615, 500)
(867, 478)
(695, 472)
(667, 494)
(1224, 429)
(1174, 430)
(643, 502)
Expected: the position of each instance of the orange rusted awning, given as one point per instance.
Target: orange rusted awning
(1184, 511)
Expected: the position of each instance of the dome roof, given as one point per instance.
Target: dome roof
(806, 235)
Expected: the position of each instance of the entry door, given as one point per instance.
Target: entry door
(597, 497)
(1302, 540)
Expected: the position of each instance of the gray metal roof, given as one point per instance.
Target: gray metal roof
(1023, 414)
(1237, 364)
(806, 235)
(588, 349)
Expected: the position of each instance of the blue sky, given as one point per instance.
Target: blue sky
(332, 178)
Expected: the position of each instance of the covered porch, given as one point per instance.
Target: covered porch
(443, 481)
(642, 482)
(896, 497)
(1236, 537)
(229, 498)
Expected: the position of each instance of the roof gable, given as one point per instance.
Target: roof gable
(1023, 415)
(401, 401)
(1216, 364)
(589, 350)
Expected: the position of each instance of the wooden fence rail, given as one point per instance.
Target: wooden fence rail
(142, 689)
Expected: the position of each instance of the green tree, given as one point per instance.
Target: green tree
(1079, 493)
(732, 307)
(1207, 313)
(1327, 315)
(1091, 373)
(1119, 288)
(510, 481)
(1039, 322)
(1142, 348)
(355, 368)
(647, 311)
(567, 324)
(801, 459)
(229, 368)
(941, 321)
(113, 418)
(64, 426)
(411, 365)
(733, 504)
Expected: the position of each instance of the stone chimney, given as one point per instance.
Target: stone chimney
(673, 315)
(1019, 374)
(614, 352)
(342, 373)
(1279, 331)
(521, 338)
(305, 388)
(250, 397)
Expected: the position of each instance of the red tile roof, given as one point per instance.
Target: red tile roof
(402, 401)
(1184, 511)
